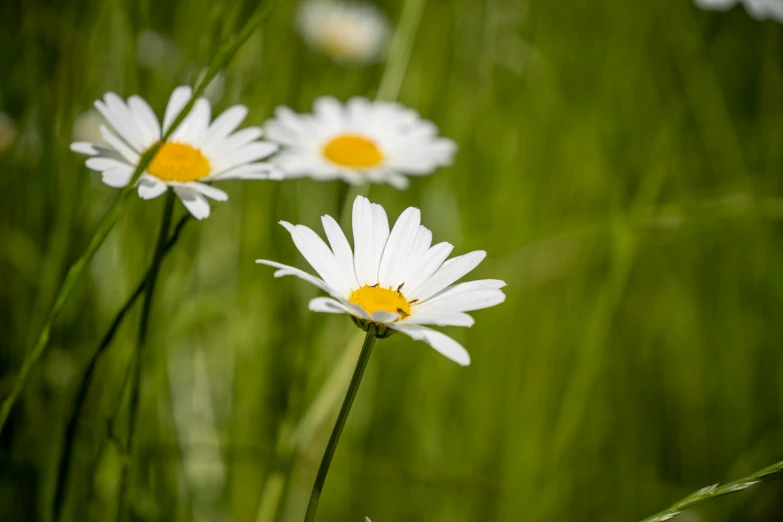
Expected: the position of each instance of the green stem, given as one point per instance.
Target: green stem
(715, 491)
(400, 50)
(149, 292)
(262, 13)
(353, 388)
(64, 466)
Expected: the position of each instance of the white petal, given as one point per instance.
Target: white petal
(251, 171)
(236, 141)
(398, 247)
(319, 256)
(207, 190)
(364, 262)
(465, 301)
(196, 204)
(179, 98)
(82, 147)
(429, 263)
(397, 180)
(342, 250)
(224, 124)
(119, 145)
(478, 291)
(380, 231)
(715, 4)
(195, 124)
(122, 119)
(284, 270)
(451, 271)
(146, 118)
(99, 164)
(420, 247)
(330, 112)
(384, 317)
(327, 305)
(117, 177)
(442, 343)
(248, 154)
(151, 187)
(439, 318)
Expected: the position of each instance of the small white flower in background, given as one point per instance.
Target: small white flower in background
(758, 9)
(156, 51)
(87, 127)
(7, 133)
(350, 33)
(196, 153)
(359, 142)
(395, 280)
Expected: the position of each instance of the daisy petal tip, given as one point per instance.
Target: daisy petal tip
(276, 174)
(463, 362)
(83, 147)
(288, 226)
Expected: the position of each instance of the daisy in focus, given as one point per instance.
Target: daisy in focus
(396, 281)
(359, 142)
(349, 33)
(758, 9)
(198, 152)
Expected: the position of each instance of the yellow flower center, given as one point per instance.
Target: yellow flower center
(178, 162)
(336, 44)
(378, 299)
(351, 150)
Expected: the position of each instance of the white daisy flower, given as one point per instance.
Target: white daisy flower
(196, 153)
(758, 9)
(394, 280)
(359, 142)
(350, 33)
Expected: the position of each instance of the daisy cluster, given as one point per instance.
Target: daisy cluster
(391, 279)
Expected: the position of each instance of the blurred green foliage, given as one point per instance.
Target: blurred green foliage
(620, 163)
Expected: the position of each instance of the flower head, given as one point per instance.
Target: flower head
(758, 9)
(350, 33)
(196, 153)
(392, 280)
(359, 142)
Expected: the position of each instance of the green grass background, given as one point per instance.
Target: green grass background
(621, 164)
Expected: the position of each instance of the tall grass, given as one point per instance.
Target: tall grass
(622, 167)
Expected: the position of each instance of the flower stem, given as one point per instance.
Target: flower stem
(400, 50)
(261, 14)
(64, 466)
(149, 291)
(715, 491)
(353, 388)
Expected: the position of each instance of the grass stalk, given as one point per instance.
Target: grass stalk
(135, 384)
(400, 51)
(64, 465)
(331, 447)
(261, 14)
(713, 491)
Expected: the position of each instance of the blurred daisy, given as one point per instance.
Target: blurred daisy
(196, 153)
(87, 127)
(395, 280)
(347, 32)
(359, 142)
(7, 133)
(758, 9)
